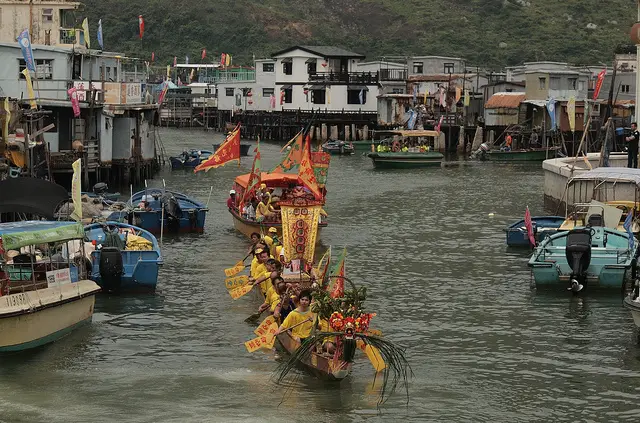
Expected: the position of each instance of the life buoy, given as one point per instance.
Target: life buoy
(395, 147)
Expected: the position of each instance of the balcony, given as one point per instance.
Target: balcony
(241, 75)
(393, 75)
(71, 36)
(365, 78)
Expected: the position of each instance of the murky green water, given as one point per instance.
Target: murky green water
(482, 344)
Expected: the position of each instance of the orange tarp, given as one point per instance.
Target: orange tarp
(270, 179)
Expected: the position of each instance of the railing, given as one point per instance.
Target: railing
(228, 76)
(68, 36)
(393, 74)
(345, 77)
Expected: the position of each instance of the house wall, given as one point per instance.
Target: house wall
(501, 117)
(16, 16)
(335, 99)
(624, 89)
(105, 125)
(434, 65)
(123, 128)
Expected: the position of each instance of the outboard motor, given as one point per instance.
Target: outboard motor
(100, 188)
(172, 211)
(578, 252)
(111, 268)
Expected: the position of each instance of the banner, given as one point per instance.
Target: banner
(254, 176)
(571, 112)
(551, 108)
(204, 53)
(336, 277)
(75, 191)
(100, 40)
(7, 118)
(75, 104)
(300, 229)
(306, 174)
(32, 95)
(599, 82)
(141, 25)
(87, 36)
(628, 224)
(293, 157)
(228, 151)
(27, 52)
(467, 98)
(528, 223)
(321, 161)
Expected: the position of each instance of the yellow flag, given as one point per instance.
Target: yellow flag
(426, 94)
(7, 118)
(75, 191)
(467, 98)
(85, 28)
(458, 94)
(168, 72)
(227, 60)
(571, 111)
(32, 95)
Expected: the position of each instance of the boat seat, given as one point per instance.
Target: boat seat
(595, 220)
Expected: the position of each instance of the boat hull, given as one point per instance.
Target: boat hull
(364, 146)
(533, 155)
(247, 227)
(35, 318)
(406, 160)
(634, 308)
(189, 221)
(517, 236)
(319, 365)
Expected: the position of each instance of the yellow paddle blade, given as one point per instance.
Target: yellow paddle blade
(265, 341)
(263, 329)
(239, 292)
(373, 354)
(236, 282)
(232, 271)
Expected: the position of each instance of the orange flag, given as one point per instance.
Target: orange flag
(228, 151)
(306, 175)
(293, 157)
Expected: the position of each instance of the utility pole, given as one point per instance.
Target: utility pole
(638, 72)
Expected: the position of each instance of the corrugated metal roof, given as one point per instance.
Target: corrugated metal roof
(505, 101)
(436, 78)
(323, 51)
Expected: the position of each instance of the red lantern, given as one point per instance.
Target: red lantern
(250, 101)
(324, 65)
(306, 91)
(249, 94)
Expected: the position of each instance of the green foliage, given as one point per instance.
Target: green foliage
(486, 32)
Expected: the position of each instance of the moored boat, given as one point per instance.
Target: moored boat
(181, 213)
(338, 148)
(517, 236)
(408, 149)
(521, 155)
(126, 258)
(44, 293)
(406, 160)
(189, 159)
(632, 303)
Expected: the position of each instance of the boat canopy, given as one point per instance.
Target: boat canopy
(272, 180)
(31, 195)
(609, 174)
(16, 235)
(416, 133)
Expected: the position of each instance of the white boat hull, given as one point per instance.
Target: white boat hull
(34, 318)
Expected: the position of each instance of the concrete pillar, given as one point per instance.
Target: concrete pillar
(365, 132)
(347, 133)
(353, 132)
(492, 136)
(323, 132)
(334, 132)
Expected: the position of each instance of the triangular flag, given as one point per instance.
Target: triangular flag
(306, 174)
(293, 157)
(254, 176)
(228, 151)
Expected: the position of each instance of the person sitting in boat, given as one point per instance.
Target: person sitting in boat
(248, 211)
(260, 257)
(300, 320)
(273, 270)
(507, 143)
(272, 238)
(231, 201)
(405, 148)
(328, 344)
(255, 239)
(263, 211)
(274, 298)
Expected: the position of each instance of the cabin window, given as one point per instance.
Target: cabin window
(268, 92)
(288, 95)
(573, 83)
(542, 83)
(229, 92)
(397, 91)
(449, 67)
(418, 67)
(625, 88)
(554, 83)
(115, 73)
(47, 15)
(318, 96)
(353, 96)
(44, 68)
(287, 68)
(268, 67)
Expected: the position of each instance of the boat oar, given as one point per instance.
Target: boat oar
(238, 267)
(241, 291)
(255, 316)
(236, 282)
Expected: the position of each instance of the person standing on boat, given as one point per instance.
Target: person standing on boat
(231, 201)
(299, 320)
(632, 147)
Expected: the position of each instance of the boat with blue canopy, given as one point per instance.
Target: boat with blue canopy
(517, 236)
(126, 258)
(45, 292)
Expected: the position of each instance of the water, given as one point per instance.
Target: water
(483, 346)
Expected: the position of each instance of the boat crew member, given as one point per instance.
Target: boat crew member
(262, 211)
(274, 269)
(632, 147)
(301, 318)
(231, 201)
(509, 141)
(248, 211)
(328, 344)
(258, 267)
(272, 238)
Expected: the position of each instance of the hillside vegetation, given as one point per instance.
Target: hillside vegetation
(489, 33)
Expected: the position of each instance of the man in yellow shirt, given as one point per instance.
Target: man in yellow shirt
(300, 320)
(258, 267)
(273, 270)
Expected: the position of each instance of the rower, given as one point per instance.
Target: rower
(301, 318)
(258, 267)
(274, 298)
(273, 270)
(255, 239)
(272, 238)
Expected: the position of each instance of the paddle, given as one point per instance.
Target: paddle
(255, 316)
(237, 268)
(241, 291)
(236, 282)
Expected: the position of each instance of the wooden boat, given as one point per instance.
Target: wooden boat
(320, 365)
(189, 159)
(280, 182)
(522, 155)
(394, 158)
(632, 303)
(41, 300)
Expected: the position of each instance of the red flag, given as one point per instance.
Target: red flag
(75, 104)
(599, 81)
(153, 56)
(141, 25)
(228, 151)
(293, 156)
(223, 59)
(254, 176)
(306, 175)
(439, 124)
(529, 225)
(163, 93)
(204, 53)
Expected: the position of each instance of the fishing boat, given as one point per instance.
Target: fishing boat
(182, 214)
(284, 185)
(338, 148)
(44, 292)
(517, 236)
(632, 303)
(596, 255)
(189, 159)
(244, 148)
(418, 151)
(364, 146)
(100, 191)
(520, 155)
(126, 258)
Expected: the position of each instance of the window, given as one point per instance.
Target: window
(625, 88)
(581, 85)
(554, 83)
(288, 95)
(287, 68)
(397, 91)
(245, 92)
(44, 68)
(47, 15)
(268, 67)
(115, 73)
(311, 67)
(268, 92)
(418, 67)
(573, 83)
(353, 96)
(449, 67)
(543, 83)
(318, 96)
(229, 92)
